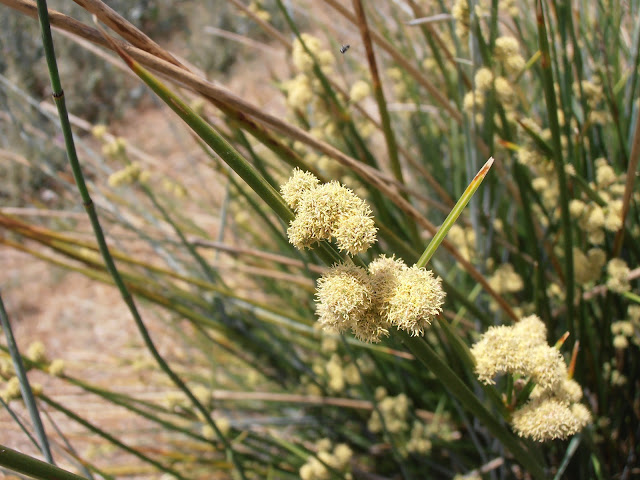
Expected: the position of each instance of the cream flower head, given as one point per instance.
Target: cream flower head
(325, 211)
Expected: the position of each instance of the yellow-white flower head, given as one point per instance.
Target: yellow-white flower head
(343, 297)
(548, 418)
(359, 91)
(325, 211)
(416, 298)
(519, 349)
(301, 59)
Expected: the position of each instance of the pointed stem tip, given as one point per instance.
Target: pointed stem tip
(485, 168)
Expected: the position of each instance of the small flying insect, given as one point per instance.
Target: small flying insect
(344, 48)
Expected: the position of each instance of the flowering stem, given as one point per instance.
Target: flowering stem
(454, 214)
(470, 402)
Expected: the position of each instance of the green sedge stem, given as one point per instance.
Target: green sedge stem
(454, 214)
(58, 96)
(32, 467)
(25, 388)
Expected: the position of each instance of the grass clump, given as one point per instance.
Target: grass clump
(326, 348)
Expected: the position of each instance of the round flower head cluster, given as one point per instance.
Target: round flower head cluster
(588, 268)
(370, 301)
(394, 411)
(316, 467)
(506, 280)
(359, 91)
(36, 352)
(325, 211)
(256, 8)
(618, 280)
(595, 219)
(127, 175)
(303, 61)
(520, 349)
(553, 410)
(460, 12)
(299, 92)
(507, 53)
(548, 418)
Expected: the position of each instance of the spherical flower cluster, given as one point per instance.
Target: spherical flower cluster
(303, 61)
(460, 12)
(115, 148)
(624, 331)
(299, 92)
(419, 440)
(519, 349)
(223, 424)
(325, 211)
(548, 418)
(592, 91)
(483, 79)
(56, 368)
(506, 280)
(359, 91)
(595, 219)
(552, 410)
(339, 374)
(618, 280)
(338, 459)
(303, 90)
(256, 8)
(509, 6)
(11, 390)
(36, 352)
(395, 412)
(6, 367)
(127, 175)
(504, 91)
(368, 302)
(506, 51)
(414, 298)
(464, 240)
(99, 131)
(588, 268)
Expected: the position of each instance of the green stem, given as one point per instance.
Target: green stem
(58, 96)
(111, 438)
(552, 114)
(25, 388)
(32, 467)
(454, 214)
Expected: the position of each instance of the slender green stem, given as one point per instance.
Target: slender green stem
(58, 96)
(552, 115)
(17, 419)
(32, 467)
(25, 388)
(454, 214)
(111, 438)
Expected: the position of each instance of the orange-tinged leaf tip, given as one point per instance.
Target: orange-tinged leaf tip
(485, 169)
(508, 145)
